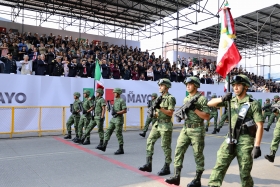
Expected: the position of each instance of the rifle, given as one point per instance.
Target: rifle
(266, 107)
(181, 112)
(108, 106)
(275, 107)
(151, 110)
(149, 103)
(92, 112)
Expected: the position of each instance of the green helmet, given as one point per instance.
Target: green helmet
(213, 96)
(276, 97)
(241, 79)
(117, 90)
(154, 95)
(267, 99)
(165, 82)
(77, 94)
(193, 80)
(87, 92)
(99, 90)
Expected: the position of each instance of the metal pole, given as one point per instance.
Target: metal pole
(257, 43)
(22, 19)
(270, 49)
(177, 47)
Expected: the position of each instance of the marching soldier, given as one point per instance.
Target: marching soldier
(213, 114)
(86, 116)
(75, 117)
(163, 128)
(276, 138)
(266, 109)
(58, 69)
(149, 120)
(272, 116)
(98, 119)
(245, 116)
(193, 132)
(118, 109)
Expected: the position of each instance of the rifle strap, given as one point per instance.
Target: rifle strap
(240, 120)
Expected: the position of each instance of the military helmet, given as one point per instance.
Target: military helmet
(267, 99)
(154, 95)
(77, 94)
(99, 90)
(276, 97)
(117, 90)
(193, 80)
(213, 96)
(87, 92)
(243, 79)
(165, 82)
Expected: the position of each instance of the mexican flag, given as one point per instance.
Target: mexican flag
(228, 54)
(98, 75)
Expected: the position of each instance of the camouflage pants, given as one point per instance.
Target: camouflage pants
(92, 124)
(276, 138)
(119, 128)
(166, 139)
(147, 123)
(187, 136)
(83, 123)
(271, 119)
(266, 115)
(245, 161)
(73, 120)
(224, 117)
(215, 116)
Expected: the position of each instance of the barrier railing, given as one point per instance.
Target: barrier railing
(26, 119)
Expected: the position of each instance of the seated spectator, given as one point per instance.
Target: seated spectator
(26, 65)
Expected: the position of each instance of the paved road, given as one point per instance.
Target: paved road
(52, 161)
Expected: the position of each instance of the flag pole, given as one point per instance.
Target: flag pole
(231, 144)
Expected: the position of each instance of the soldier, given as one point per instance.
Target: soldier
(149, 120)
(245, 116)
(266, 109)
(224, 117)
(58, 69)
(193, 132)
(75, 117)
(10, 64)
(86, 116)
(118, 109)
(276, 139)
(272, 116)
(163, 128)
(98, 119)
(213, 114)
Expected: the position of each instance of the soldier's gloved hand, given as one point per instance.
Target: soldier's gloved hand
(158, 101)
(227, 97)
(274, 110)
(256, 152)
(102, 119)
(178, 119)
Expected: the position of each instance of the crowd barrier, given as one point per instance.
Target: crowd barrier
(39, 119)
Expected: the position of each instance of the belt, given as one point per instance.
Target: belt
(164, 120)
(243, 130)
(194, 125)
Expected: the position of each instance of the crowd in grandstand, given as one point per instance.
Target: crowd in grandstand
(42, 54)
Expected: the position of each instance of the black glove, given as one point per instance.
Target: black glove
(256, 152)
(227, 97)
(102, 119)
(158, 101)
(274, 110)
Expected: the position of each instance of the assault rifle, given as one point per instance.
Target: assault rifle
(275, 107)
(266, 107)
(108, 106)
(152, 109)
(181, 112)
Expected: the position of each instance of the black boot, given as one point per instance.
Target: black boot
(83, 139)
(78, 140)
(143, 134)
(206, 129)
(267, 129)
(68, 136)
(87, 141)
(74, 139)
(99, 145)
(119, 151)
(270, 157)
(218, 129)
(196, 181)
(176, 178)
(103, 147)
(165, 170)
(214, 131)
(148, 166)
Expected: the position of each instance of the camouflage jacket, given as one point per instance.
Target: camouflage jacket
(99, 103)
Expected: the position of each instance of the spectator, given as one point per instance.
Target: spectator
(83, 69)
(142, 77)
(42, 65)
(157, 74)
(10, 65)
(127, 73)
(4, 49)
(65, 63)
(150, 73)
(22, 52)
(73, 67)
(135, 74)
(105, 70)
(26, 66)
(116, 72)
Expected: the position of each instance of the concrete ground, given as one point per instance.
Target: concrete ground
(52, 161)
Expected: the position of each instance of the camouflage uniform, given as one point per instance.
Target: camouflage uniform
(149, 120)
(213, 114)
(86, 117)
(243, 148)
(272, 117)
(162, 128)
(275, 142)
(74, 118)
(97, 121)
(224, 117)
(267, 111)
(193, 132)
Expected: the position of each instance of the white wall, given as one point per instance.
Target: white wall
(43, 30)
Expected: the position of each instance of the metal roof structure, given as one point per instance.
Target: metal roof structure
(139, 18)
(258, 34)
